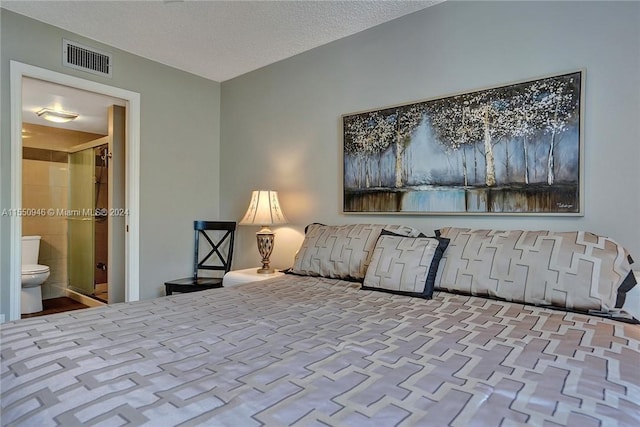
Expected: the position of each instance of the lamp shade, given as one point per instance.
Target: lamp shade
(264, 209)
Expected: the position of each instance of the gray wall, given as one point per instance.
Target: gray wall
(179, 146)
(281, 124)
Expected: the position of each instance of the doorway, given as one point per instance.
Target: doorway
(130, 197)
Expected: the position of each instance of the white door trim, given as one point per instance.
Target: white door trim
(19, 70)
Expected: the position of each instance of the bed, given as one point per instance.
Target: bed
(305, 349)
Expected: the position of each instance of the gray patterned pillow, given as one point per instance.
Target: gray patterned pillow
(405, 265)
(341, 251)
(573, 270)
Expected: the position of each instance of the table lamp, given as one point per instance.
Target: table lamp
(264, 210)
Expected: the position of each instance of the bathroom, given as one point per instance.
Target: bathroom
(53, 180)
(65, 201)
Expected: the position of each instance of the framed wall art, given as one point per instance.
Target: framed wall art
(513, 149)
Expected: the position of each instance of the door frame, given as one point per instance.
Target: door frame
(20, 70)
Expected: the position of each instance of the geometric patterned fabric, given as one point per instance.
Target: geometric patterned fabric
(404, 265)
(572, 270)
(307, 351)
(341, 251)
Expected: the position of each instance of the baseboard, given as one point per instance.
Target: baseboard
(76, 296)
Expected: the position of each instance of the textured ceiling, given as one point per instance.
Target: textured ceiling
(217, 40)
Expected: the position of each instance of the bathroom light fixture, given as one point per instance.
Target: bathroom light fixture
(264, 210)
(57, 116)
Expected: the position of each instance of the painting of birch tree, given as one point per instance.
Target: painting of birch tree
(509, 149)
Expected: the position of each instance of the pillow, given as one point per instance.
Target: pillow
(573, 270)
(405, 265)
(341, 251)
(632, 299)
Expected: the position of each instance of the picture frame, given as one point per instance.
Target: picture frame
(514, 149)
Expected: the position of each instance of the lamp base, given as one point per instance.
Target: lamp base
(265, 239)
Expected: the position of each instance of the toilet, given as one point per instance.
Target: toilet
(33, 276)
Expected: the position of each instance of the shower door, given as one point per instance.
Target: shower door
(81, 221)
(97, 214)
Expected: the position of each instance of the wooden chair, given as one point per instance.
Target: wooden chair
(220, 237)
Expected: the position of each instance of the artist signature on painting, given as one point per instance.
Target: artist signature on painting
(564, 205)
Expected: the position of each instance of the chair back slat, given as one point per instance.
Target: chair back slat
(220, 235)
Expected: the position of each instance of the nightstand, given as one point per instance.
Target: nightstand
(247, 275)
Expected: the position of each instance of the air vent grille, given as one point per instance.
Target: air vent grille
(75, 55)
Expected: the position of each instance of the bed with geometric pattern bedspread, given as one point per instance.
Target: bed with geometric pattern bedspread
(312, 351)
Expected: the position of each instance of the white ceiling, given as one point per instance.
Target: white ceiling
(217, 40)
(91, 107)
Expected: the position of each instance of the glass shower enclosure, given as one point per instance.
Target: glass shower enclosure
(87, 221)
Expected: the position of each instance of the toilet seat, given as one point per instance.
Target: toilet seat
(34, 269)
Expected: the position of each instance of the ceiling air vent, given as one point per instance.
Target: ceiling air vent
(75, 55)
